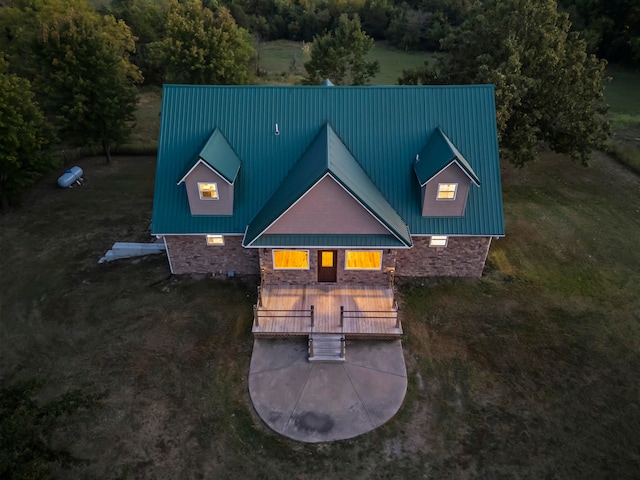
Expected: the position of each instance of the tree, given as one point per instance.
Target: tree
(22, 135)
(612, 27)
(204, 47)
(547, 87)
(80, 65)
(147, 20)
(340, 55)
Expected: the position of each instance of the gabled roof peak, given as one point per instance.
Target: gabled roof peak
(218, 155)
(327, 83)
(438, 153)
(327, 154)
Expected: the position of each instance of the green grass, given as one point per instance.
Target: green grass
(147, 124)
(393, 62)
(275, 61)
(528, 372)
(623, 96)
(275, 57)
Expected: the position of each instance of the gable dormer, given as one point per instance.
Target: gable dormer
(327, 197)
(445, 177)
(210, 179)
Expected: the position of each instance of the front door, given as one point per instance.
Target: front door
(327, 265)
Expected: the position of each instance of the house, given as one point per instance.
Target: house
(328, 186)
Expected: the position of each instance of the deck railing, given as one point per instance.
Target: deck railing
(370, 315)
(264, 313)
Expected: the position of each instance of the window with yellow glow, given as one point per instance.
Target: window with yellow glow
(327, 259)
(208, 191)
(291, 259)
(215, 240)
(438, 241)
(447, 191)
(363, 260)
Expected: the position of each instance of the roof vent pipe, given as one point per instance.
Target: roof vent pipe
(277, 130)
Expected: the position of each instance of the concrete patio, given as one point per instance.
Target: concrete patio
(323, 402)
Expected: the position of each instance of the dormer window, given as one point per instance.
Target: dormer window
(445, 177)
(447, 191)
(212, 176)
(208, 191)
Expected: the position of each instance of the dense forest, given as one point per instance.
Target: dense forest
(611, 28)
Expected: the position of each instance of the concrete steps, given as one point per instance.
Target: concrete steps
(128, 250)
(327, 347)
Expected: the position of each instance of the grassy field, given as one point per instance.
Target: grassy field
(623, 96)
(276, 62)
(529, 372)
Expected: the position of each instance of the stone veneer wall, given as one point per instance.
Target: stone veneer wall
(462, 257)
(191, 254)
(310, 276)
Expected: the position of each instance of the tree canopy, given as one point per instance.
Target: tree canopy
(340, 55)
(203, 47)
(547, 87)
(22, 135)
(611, 27)
(79, 63)
(147, 20)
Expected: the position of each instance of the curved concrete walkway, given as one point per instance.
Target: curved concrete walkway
(322, 402)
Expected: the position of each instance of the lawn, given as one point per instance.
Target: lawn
(529, 372)
(623, 95)
(276, 61)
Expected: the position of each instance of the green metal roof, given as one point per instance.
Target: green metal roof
(219, 155)
(327, 154)
(383, 128)
(437, 154)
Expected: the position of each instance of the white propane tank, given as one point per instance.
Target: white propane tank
(74, 174)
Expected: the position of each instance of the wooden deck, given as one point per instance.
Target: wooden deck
(369, 311)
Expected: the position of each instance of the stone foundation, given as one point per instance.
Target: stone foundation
(462, 257)
(191, 254)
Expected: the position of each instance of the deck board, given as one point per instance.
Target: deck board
(284, 310)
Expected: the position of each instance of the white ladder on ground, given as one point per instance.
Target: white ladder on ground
(326, 347)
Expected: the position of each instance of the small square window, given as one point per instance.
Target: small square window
(327, 259)
(438, 241)
(447, 191)
(215, 240)
(208, 191)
